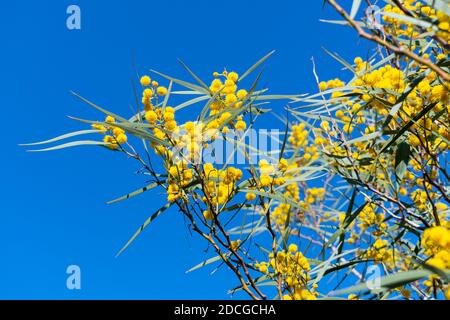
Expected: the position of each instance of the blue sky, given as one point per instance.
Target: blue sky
(52, 205)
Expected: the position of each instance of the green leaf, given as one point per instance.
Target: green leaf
(355, 7)
(411, 20)
(349, 218)
(64, 136)
(194, 75)
(117, 117)
(341, 60)
(144, 225)
(183, 83)
(402, 156)
(391, 281)
(441, 5)
(134, 193)
(253, 67)
(73, 144)
(191, 102)
(407, 126)
(204, 263)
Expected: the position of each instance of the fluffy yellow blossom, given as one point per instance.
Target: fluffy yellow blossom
(162, 91)
(145, 81)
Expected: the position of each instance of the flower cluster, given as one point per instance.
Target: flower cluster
(293, 268)
(114, 136)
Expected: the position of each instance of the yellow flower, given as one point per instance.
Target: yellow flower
(325, 125)
(117, 131)
(145, 81)
(358, 60)
(122, 138)
(230, 99)
(233, 76)
(241, 94)
(111, 143)
(151, 116)
(406, 293)
(99, 127)
(348, 128)
(265, 181)
(148, 93)
(323, 86)
(250, 196)
(445, 25)
(162, 91)
(208, 215)
(168, 116)
(241, 125)
(339, 113)
(171, 125)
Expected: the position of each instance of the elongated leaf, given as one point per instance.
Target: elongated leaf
(402, 156)
(355, 7)
(72, 144)
(194, 75)
(204, 263)
(117, 117)
(441, 5)
(411, 20)
(134, 193)
(407, 126)
(253, 67)
(61, 137)
(191, 102)
(144, 225)
(341, 60)
(183, 83)
(390, 281)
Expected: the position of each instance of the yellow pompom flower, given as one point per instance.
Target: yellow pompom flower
(99, 127)
(325, 125)
(151, 116)
(233, 76)
(168, 116)
(110, 119)
(117, 131)
(241, 125)
(162, 91)
(171, 125)
(148, 93)
(292, 248)
(145, 81)
(250, 196)
(110, 141)
(358, 60)
(230, 99)
(323, 86)
(241, 94)
(208, 215)
(122, 138)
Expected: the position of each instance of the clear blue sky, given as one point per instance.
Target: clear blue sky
(52, 205)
